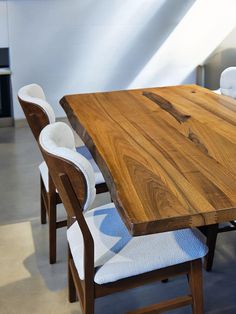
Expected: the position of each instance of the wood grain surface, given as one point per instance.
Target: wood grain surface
(168, 154)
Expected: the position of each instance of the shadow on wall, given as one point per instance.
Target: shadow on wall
(146, 43)
(214, 66)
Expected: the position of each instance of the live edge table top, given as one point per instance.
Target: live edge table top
(168, 154)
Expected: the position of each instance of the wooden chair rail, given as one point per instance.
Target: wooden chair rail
(139, 280)
(164, 306)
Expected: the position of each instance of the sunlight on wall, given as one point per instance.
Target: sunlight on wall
(81, 46)
(89, 45)
(202, 29)
(122, 26)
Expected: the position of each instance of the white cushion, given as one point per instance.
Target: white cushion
(228, 82)
(119, 255)
(44, 174)
(83, 150)
(33, 93)
(58, 139)
(217, 91)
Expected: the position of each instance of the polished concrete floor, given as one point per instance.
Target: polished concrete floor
(28, 284)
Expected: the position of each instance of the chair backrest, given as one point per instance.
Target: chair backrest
(74, 179)
(228, 82)
(37, 110)
(68, 169)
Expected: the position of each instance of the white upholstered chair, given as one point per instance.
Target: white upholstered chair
(103, 257)
(227, 88)
(39, 113)
(227, 83)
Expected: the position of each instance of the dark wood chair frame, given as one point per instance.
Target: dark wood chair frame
(37, 119)
(211, 233)
(71, 185)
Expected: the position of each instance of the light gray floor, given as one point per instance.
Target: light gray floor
(29, 284)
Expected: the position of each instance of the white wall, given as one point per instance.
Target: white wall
(3, 24)
(71, 46)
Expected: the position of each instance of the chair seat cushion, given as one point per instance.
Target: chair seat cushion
(83, 151)
(119, 255)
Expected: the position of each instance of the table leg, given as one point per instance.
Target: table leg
(211, 232)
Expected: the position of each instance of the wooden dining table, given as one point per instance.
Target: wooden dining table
(168, 154)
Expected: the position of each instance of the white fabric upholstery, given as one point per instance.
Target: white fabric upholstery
(58, 139)
(83, 150)
(119, 255)
(228, 82)
(44, 174)
(33, 93)
(217, 91)
(98, 175)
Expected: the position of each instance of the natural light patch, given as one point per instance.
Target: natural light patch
(16, 244)
(201, 30)
(122, 22)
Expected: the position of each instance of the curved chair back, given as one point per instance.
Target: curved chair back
(69, 170)
(37, 110)
(228, 82)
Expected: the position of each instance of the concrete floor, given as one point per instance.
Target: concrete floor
(28, 284)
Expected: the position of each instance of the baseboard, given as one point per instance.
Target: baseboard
(5, 122)
(20, 123)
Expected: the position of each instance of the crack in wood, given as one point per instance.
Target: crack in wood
(167, 106)
(195, 139)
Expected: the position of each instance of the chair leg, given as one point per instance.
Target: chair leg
(89, 307)
(211, 235)
(165, 280)
(196, 286)
(71, 286)
(52, 216)
(42, 204)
